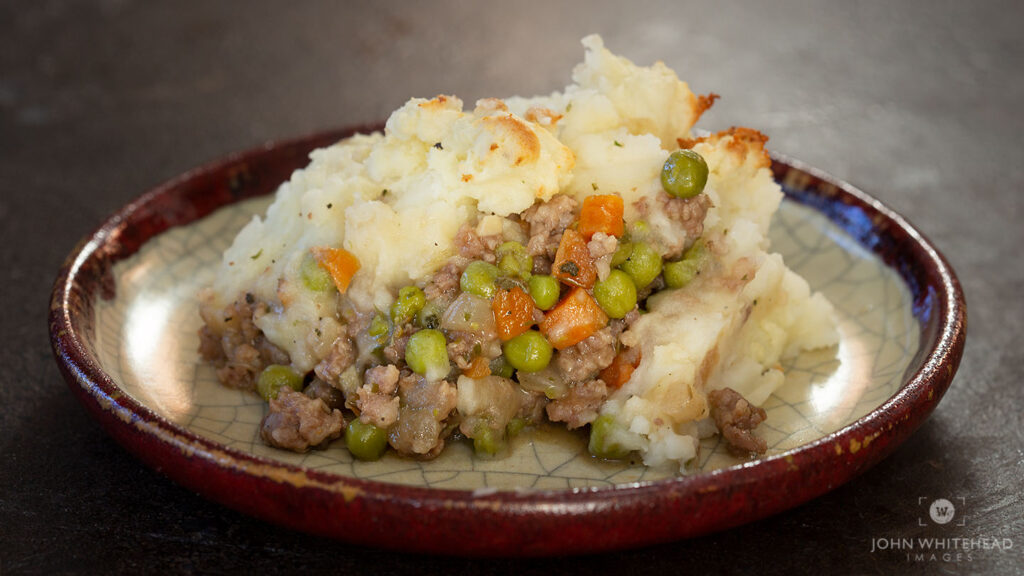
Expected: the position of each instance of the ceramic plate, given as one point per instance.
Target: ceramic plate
(124, 327)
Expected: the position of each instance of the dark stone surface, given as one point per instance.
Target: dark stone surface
(917, 103)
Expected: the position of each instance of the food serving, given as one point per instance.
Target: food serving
(578, 259)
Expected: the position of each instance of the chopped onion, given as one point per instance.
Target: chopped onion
(547, 381)
(469, 313)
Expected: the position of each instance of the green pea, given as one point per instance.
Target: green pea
(478, 279)
(600, 445)
(314, 277)
(486, 440)
(684, 174)
(515, 426)
(528, 352)
(622, 252)
(616, 294)
(643, 264)
(426, 353)
(366, 441)
(410, 301)
(514, 260)
(379, 329)
(639, 231)
(683, 271)
(499, 367)
(429, 316)
(277, 376)
(544, 290)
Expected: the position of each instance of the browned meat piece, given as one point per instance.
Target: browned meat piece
(297, 422)
(381, 410)
(244, 349)
(331, 396)
(532, 406)
(580, 405)
(689, 213)
(343, 354)
(241, 367)
(377, 402)
(394, 352)
(547, 223)
(620, 325)
(472, 246)
(736, 419)
(443, 287)
(382, 379)
(656, 285)
(425, 406)
(584, 360)
(209, 345)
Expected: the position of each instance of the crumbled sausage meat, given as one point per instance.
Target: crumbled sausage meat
(736, 419)
(244, 351)
(547, 223)
(342, 355)
(425, 405)
(297, 422)
(580, 405)
(584, 360)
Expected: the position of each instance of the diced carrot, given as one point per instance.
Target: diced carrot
(513, 312)
(340, 263)
(573, 264)
(602, 213)
(573, 320)
(618, 372)
(478, 368)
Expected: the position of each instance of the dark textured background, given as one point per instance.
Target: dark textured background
(918, 103)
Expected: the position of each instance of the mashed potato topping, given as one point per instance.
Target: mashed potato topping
(442, 186)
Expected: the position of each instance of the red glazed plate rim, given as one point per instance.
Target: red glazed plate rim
(502, 522)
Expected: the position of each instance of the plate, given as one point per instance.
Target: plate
(124, 321)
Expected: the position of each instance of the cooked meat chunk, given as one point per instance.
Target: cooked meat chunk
(580, 405)
(425, 405)
(443, 287)
(342, 355)
(297, 422)
(244, 351)
(688, 212)
(547, 223)
(584, 360)
(736, 419)
(331, 396)
(377, 402)
(378, 409)
(382, 379)
(472, 246)
(394, 352)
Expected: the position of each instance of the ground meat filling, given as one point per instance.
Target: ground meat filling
(233, 342)
(547, 222)
(365, 371)
(736, 419)
(424, 407)
(584, 360)
(297, 422)
(580, 405)
(377, 402)
(342, 355)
